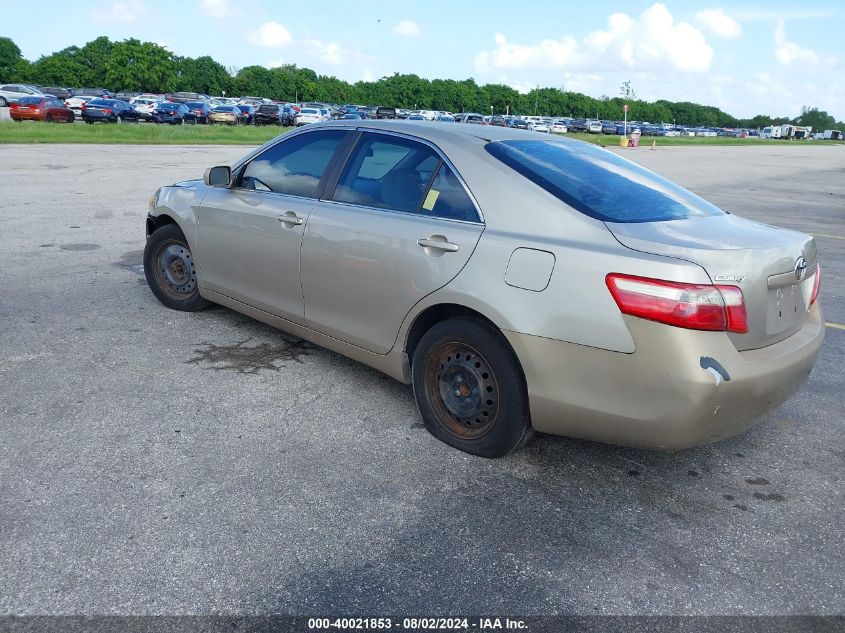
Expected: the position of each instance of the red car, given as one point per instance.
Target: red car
(35, 108)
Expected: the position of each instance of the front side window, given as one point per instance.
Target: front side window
(295, 166)
(387, 172)
(600, 184)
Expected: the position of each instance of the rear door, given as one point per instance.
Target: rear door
(249, 235)
(398, 225)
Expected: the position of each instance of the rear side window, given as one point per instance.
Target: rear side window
(600, 184)
(447, 198)
(387, 173)
(295, 166)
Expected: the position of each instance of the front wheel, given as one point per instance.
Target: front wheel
(470, 388)
(3, 102)
(170, 270)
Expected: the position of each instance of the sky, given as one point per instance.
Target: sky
(747, 58)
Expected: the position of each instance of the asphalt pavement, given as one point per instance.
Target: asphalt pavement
(158, 462)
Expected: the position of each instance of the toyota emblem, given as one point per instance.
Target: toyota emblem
(800, 268)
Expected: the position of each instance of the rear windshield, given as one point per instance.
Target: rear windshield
(600, 184)
(30, 99)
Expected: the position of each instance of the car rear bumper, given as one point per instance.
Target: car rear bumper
(680, 388)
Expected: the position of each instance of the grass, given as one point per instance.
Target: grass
(140, 134)
(151, 134)
(613, 140)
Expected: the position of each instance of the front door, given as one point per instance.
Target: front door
(249, 235)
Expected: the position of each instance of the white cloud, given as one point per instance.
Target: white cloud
(272, 35)
(367, 75)
(719, 23)
(654, 41)
(275, 63)
(217, 8)
(329, 52)
(407, 28)
(125, 11)
(787, 52)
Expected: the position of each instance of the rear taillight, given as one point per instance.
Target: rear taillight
(817, 282)
(107, 110)
(691, 306)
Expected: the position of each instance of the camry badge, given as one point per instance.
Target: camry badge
(737, 278)
(800, 268)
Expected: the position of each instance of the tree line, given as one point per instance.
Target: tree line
(133, 65)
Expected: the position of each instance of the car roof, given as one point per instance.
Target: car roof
(434, 132)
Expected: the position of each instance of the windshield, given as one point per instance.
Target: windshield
(599, 183)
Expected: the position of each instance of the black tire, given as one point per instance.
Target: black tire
(48, 118)
(71, 117)
(487, 414)
(118, 120)
(170, 271)
(3, 102)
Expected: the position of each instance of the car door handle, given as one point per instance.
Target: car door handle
(440, 245)
(290, 219)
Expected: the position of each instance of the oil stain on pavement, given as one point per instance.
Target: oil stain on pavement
(250, 360)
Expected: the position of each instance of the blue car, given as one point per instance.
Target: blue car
(172, 113)
(249, 113)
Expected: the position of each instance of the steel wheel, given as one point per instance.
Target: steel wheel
(170, 270)
(463, 390)
(174, 269)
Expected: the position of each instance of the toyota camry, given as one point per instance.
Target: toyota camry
(518, 281)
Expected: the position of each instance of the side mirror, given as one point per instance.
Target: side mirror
(220, 176)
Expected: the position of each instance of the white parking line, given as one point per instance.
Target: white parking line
(838, 326)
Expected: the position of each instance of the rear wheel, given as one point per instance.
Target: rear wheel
(3, 102)
(118, 119)
(48, 118)
(71, 117)
(170, 270)
(470, 389)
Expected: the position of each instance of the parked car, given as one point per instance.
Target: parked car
(538, 126)
(109, 111)
(76, 102)
(519, 124)
(386, 113)
(667, 323)
(355, 116)
(608, 127)
(469, 117)
(309, 115)
(188, 97)
(127, 95)
(444, 118)
(559, 127)
(594, 127)
(44, 108)
(198, 112)
(229, 114)
(9, 93)
(578, 125)
(145, 106)
(170, 112)
(56, 91)
(272, 114)
(248, 111)
(93, 92)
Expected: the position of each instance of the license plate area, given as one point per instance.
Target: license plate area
(787, 308)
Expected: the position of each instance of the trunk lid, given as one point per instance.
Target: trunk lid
(761, 259)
